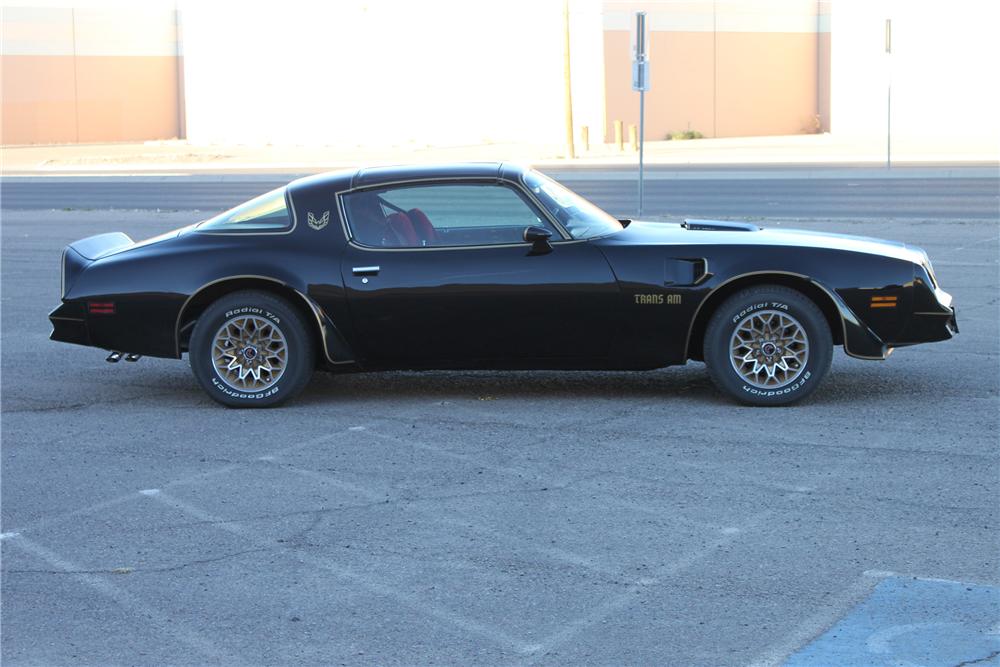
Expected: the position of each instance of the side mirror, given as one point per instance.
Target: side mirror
(538, 237)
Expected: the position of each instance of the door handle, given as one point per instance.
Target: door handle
(365, 270)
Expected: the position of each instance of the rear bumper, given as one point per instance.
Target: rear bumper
(69, 324)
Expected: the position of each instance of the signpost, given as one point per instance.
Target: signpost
(568, 96)
(888, 106)
(640, 82)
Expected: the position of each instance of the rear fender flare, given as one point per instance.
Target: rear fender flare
(335, 347)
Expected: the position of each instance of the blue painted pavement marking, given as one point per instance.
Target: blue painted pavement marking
(908, 622)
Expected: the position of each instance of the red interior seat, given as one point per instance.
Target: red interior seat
(422, 224)
(403, 229)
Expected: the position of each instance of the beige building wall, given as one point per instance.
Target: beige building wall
(440, 72)
(89, 74)
(724, 69)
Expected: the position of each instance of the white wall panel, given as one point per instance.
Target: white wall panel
(380, 72)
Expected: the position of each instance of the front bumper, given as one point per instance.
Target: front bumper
(933, 319)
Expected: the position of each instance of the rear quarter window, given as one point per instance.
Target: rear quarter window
(268, 212)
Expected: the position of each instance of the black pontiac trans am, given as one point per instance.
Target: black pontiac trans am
(488, 266)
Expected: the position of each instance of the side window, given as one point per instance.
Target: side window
(414, 216)
(266, 212)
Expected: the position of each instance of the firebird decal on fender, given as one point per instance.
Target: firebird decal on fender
(320, 223)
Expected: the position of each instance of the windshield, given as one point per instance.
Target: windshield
(581, 219)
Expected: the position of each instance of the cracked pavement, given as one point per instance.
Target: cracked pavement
(479, 518)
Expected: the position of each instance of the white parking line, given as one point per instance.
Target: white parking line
(445, 453)
(472, 627)
(368, 494)
(50, 521)
(634, 592)
(165, 622)
(664, 513)
(532, 475)
(559, 555)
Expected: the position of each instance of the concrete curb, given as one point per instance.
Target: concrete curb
(569, 174)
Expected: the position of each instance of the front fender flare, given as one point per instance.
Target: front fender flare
(860, 342)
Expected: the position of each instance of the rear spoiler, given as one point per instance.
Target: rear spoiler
(77, 256)
(95, 247)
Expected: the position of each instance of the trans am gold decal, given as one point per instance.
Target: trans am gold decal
(318, 223)
(649, 299)
(657, 299)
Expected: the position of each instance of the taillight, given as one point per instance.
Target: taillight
(101, 307)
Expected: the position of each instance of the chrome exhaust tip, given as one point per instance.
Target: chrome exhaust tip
(133, 357)
(114, 357)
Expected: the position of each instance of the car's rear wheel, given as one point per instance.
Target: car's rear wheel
(768, 345)
(251, 350)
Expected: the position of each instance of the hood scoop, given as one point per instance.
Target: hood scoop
(719, 226)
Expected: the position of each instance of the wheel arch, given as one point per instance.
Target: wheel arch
(210, 292)
(822, 297)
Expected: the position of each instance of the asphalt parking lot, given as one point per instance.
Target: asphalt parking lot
(592, 518)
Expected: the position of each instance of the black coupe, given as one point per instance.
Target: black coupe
(488, 266)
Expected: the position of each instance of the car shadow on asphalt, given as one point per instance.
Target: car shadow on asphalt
(689, 383)
(494, 385)
(165, 384)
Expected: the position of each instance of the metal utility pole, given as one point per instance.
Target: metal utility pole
(888, 106)
(570, 147)
(640, 82)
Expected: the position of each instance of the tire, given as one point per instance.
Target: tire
(272, 348)
(761, 320)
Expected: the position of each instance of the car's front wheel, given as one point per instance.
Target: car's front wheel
(768, 345)
(251, 350)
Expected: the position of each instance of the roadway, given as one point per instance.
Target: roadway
(830, 193)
